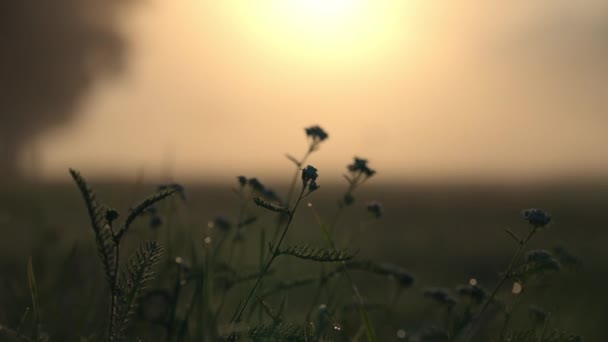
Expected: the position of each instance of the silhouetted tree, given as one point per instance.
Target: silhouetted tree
(50, 53)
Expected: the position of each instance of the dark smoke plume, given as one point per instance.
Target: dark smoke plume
(50, 53)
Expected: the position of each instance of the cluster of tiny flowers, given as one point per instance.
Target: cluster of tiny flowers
(111, 215)
(442, 296)
(359, 165)
(375, 208)
(475, 292)
(316, 133)
(309, 178)
(259, 188)
(221, 223)
(536, 217)
(155, 219)
(178, 188)
(543, 260)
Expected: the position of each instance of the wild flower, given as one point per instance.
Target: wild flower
(348, 199)
(256, 185)
(375, 208)
(475, 292)
(309, 173)
(359, 165)
(566, 258)
(316, 133)
(536, 217)
(222, 223)
(441, 296)
(111, 215)
(539, 256)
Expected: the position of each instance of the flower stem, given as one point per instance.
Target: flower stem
(506, 275)
(273, 256)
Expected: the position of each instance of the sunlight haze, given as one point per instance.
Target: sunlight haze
(424, 89)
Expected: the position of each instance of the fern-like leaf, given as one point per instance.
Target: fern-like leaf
(103, 232)
(553, 336)
(133, 280)
(267, 205)
(278, 332)
(307, 252)
(142, 206)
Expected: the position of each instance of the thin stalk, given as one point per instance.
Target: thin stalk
(113, 287)
(273, 256)
(506, 275)
(508, 315)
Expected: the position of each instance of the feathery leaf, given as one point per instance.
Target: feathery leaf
(267, 205)
(133, 280)
(142, 206)
(316, 254)
(104, 237)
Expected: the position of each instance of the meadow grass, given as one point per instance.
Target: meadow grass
(234, 282)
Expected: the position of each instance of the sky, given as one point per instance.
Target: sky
(426, 90)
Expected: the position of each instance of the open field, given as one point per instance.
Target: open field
(443, 234)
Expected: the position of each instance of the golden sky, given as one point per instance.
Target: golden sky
(424, 89)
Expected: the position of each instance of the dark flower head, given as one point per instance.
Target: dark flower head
(375, 208)
(242, 180)
(348, 199)
(536, 217)
(442, 296)
(566, 258)
(256, 185)
(271, 196)
(309, 173)
(359, 165)
(222, 223)
(111, 215)
(313, 186)
(474, 292)
(538, 255)
(155, 221)
(316, 133)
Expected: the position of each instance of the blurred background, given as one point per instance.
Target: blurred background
(425, 89)
(469, 110)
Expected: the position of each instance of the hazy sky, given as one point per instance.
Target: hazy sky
(424, 89)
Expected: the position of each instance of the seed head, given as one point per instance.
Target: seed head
(440, 295)
(316, 133)
(111, 215)
(309, 173)
(348, 199)
(222, 223)
(359, 165)
(375, 208)
(536, 217)
(242, 180)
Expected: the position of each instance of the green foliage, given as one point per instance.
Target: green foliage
(534, 336)
(141, 207)
(278, 332)
(307, 252)
(267, 205)
(102, 229)
(31, 279)
(132, 282)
